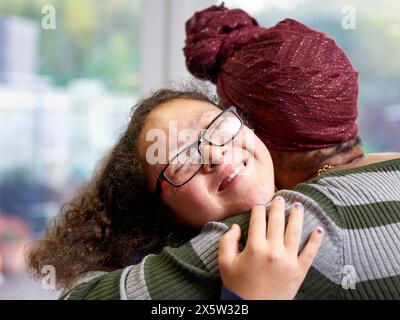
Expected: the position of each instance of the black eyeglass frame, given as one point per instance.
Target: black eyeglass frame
(161, 177)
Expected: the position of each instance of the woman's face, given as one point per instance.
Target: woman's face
(215, 192)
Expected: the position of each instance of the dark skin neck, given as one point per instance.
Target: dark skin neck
(292, 168)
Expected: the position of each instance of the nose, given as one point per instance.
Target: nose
(212, 157)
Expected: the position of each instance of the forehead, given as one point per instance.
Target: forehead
(185, 113)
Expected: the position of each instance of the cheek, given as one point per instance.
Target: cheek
(265, 167)
(262, 153)
(192, 204)
(247, 139)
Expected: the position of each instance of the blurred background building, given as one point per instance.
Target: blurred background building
(66, 93)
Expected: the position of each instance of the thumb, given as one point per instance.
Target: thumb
(229, 246)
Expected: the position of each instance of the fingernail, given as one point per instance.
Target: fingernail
(320, 230)
(261, 204)
(279, 199)
(298, 206)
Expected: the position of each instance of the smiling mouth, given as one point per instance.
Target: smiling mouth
(228, 180)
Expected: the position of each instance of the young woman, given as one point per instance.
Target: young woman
(122, 214)
(126, 211)
(116, 218)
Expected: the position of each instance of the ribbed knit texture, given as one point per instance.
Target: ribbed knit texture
(359, 210)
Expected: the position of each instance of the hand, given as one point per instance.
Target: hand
(269, 267)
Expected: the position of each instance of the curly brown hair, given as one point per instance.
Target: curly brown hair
(115, 216)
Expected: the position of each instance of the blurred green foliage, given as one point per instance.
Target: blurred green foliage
(93, 38)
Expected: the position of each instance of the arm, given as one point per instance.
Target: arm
(191, 271)
(187, 272)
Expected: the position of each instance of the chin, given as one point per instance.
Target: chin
(257, 194)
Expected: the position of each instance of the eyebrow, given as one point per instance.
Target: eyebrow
(195, 122)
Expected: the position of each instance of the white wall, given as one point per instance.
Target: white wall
(162, 40)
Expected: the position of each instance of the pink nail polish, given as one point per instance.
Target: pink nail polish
(298, 206)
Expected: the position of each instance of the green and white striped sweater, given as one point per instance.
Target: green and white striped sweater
(359, 210)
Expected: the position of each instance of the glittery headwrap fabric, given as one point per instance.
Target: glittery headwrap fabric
(296, 83)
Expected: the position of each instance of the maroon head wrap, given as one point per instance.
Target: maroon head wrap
(296, 83)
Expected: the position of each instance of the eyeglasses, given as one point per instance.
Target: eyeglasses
(188, 162)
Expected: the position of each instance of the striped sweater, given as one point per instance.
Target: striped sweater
(359, 258)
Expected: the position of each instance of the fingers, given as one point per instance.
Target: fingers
(229, 246)
(276, 221)
(257, 225)
(294, 228)
(309, 252)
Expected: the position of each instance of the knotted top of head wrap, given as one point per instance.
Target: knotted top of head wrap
(296, 83)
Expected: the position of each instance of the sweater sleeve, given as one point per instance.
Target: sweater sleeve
(187, 272)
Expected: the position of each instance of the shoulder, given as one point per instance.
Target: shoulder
(350, 189)
(97, 285)
(319, 211)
